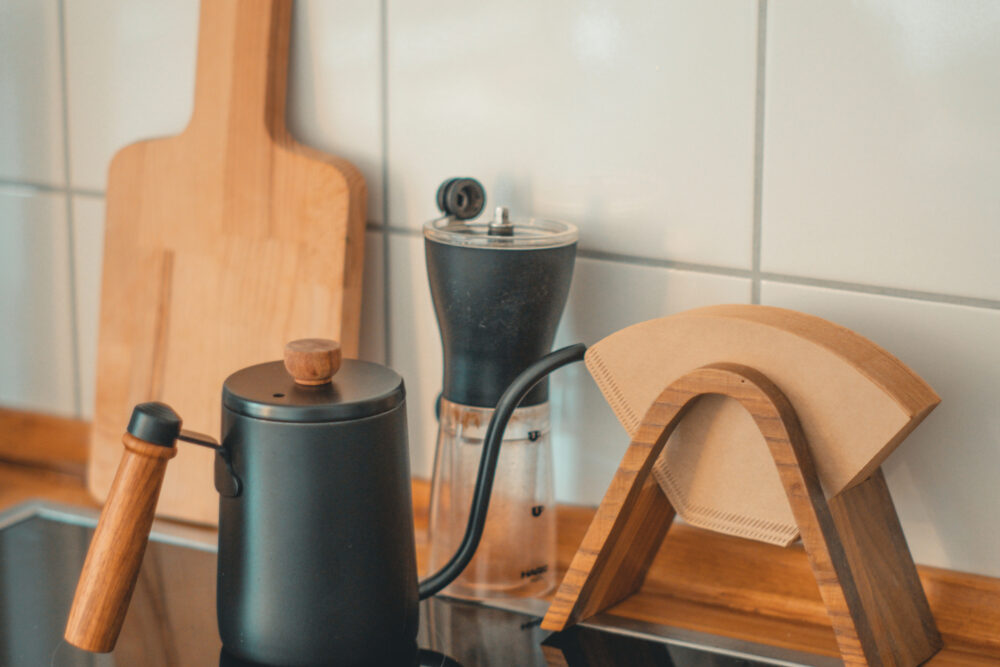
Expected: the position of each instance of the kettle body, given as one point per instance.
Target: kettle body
(317, 563)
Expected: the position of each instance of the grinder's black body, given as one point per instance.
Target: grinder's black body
(498, 310)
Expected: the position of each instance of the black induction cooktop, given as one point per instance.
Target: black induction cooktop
(171, 621)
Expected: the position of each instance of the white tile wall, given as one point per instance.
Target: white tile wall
(36, 327)
(943, 477)
(334, 86)
(88, 252)
(414, 345)
(883, 143)
(372, 347)
(31, 126)
(130, 77)
(633, 120)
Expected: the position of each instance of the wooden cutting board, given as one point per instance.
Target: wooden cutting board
(221, 244)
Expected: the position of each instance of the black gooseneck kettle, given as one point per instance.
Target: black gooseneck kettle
(317, 561)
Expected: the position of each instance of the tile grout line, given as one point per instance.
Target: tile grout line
(68, 197)
(639, 260)
(384, 99)
(86, 192)
(841, 285)
(47, 188)
(758, 152)
(588, 253)
(710, 269)
(36, 188)
(882, 290)
(620, 258)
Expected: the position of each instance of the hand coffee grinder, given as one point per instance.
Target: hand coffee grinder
(499, 288)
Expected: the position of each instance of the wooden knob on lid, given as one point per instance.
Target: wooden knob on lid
(312, 361)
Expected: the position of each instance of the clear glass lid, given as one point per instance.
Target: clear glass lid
(501, 232)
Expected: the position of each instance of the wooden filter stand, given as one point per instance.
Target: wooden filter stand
(854, 541)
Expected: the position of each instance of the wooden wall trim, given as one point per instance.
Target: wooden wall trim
(711, 582)
(44, 441)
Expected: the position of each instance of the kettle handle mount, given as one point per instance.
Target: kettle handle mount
(116, 550)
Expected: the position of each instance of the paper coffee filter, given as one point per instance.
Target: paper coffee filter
(854, 400)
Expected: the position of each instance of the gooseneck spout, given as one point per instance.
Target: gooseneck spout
(509, 400)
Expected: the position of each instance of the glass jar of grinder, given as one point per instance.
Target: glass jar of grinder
(499, 288)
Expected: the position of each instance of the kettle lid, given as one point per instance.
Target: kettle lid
(324, 387)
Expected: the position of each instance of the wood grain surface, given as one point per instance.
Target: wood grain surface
(221, 244)
(115, 555)
(44, 441)
(312, 361)
(884, 574)
(878, 623)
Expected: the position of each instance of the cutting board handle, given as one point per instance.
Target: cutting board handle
(242, 68)
(115, 555)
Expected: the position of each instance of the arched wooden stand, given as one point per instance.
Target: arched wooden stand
(854, 541)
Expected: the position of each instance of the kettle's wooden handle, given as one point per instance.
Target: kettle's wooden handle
(112, 565)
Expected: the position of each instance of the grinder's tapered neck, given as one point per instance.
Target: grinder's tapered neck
(497, 309)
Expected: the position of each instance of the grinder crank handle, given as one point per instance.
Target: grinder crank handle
(115, 555)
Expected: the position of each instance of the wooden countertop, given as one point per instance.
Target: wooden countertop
(699, 580)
